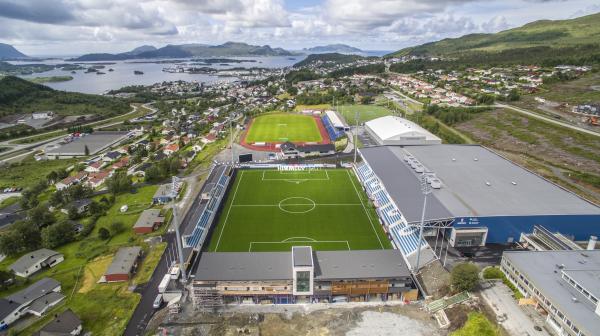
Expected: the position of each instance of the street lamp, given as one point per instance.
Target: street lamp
(426, 190)
(174, 183)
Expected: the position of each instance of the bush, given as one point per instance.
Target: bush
(493, 273)
(477, 325)
(464, 277)
(103, 233)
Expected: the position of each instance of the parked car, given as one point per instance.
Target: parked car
(158, 301)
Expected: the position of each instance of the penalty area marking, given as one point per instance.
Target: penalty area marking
(308, 240)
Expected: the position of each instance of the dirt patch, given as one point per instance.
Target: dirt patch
(92, 273)
(398, 320)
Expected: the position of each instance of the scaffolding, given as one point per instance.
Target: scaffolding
(206, 296)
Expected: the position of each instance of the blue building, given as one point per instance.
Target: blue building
(477, 196)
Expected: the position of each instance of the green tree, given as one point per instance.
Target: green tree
(116, 228)
(103, 233)
(119, 183)
(57, 234)
(41, 216)
(72, 212)
(5, 276)
(464, 277)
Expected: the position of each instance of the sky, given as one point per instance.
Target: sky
(73, 27)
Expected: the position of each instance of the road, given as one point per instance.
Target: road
(32, 147)
(510, 315)
(550, 120)
(144, 310)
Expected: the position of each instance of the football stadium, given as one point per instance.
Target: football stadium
(292, 233)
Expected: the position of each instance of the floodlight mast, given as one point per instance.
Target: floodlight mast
(426, 190)
(174, 182)
(355, 135)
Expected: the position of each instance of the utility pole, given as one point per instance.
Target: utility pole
(426, 190)
(177, 234)
(231, 138)
(355, 135)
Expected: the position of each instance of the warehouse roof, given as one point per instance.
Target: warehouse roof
(148, 218)
(124, 260)
(392, 127)
(475, 182)
(95, 142)
(544, 270)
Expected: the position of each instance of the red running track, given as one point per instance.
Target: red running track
(272, 146)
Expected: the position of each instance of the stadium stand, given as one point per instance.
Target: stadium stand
(215, 197)
(333, 132)
(404, 236)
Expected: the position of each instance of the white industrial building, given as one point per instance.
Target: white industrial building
(392, 130)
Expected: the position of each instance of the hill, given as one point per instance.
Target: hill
(537, 40)
(19, 96)
(9, 52)
(333, 48)
(192, 50)
(316, 59)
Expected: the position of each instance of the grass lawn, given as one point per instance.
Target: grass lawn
(268, 210)
(104, 308)
(29, 172)
(283, 127)
(365, 112)
(477, 325)
(300, 108)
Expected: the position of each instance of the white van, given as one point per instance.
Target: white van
(158, 301)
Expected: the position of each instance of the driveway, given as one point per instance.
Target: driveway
(509, 314)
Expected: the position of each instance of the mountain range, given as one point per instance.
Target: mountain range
(333, 48)
(228, 49)
(9, 52)
(538, 35)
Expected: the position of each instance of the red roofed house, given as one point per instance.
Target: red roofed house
(170, 149)
(71, 180)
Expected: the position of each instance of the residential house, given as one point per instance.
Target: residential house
(35, 299)
(80, 205)
(171, 149)
(124, 264)
(97, 179)
(66, 323)
(94, 167)
(111, 156)
(34, 261)
(163, 194)
(71, 180)
(149, 221)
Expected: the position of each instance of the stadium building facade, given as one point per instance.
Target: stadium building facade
(478, 195)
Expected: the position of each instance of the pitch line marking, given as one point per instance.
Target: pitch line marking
(306, 239)
(276, 205)
(300, 241)
(229, 210)
(365, 208)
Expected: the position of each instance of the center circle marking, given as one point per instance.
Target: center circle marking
(283, 202)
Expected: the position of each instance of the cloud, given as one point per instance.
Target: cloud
(47, 11)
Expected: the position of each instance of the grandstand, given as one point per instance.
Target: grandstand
(195, 239)
(404, 237)
(334, 126)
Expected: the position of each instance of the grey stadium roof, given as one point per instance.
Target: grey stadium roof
(542, 269)
(329, 265)
(242, 266)
(475, 182)
(95, 142)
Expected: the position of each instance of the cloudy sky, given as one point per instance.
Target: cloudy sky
(71, 27)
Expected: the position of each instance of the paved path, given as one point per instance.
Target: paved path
(32, 147)
(512, 317)
(550, 120)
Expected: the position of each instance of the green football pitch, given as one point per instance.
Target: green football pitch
(271, 210)
(282, 127)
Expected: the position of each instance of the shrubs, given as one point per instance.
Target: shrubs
(464, 277)
(493, 273)
(477, 325)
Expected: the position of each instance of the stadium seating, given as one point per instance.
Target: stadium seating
(405, 237)
(333, 132)
(204, 221)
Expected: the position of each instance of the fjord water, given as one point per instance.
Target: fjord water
(123, 74)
